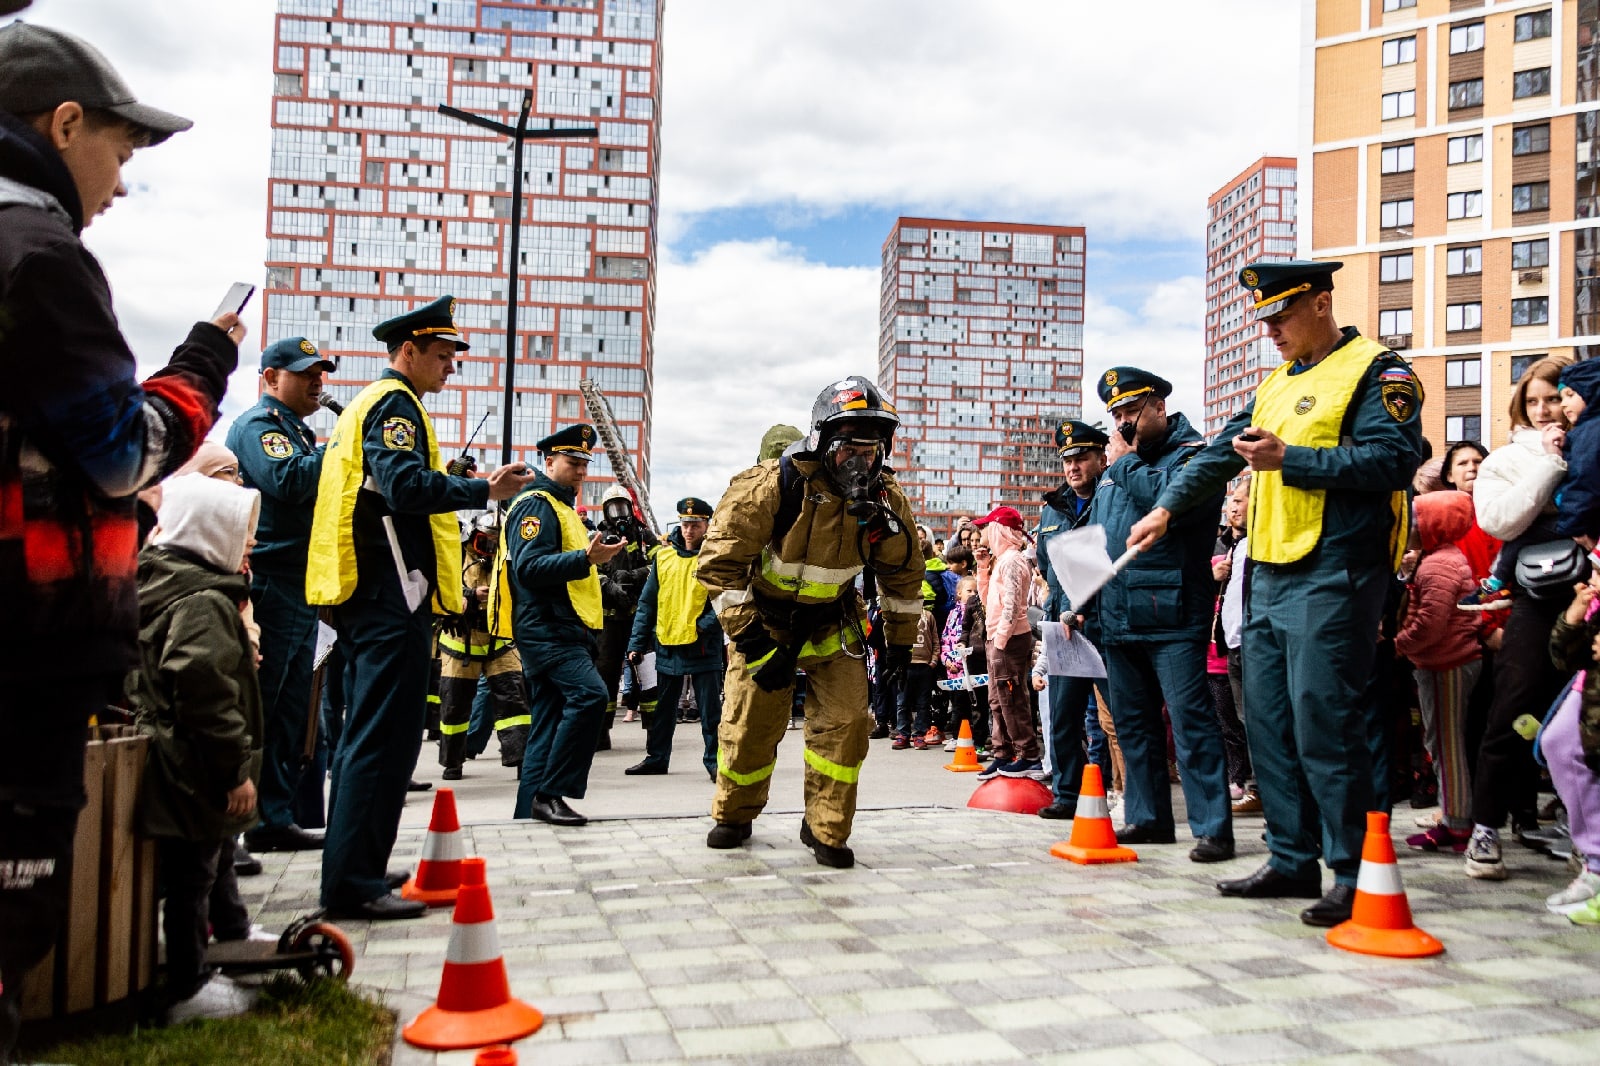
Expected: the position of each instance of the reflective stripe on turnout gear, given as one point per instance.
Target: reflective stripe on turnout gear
(808, 583)
(461, 647)
(744, 779)
(451, 730)
(729, 598)
(472, 942)
(514, 720)
(828, 768)
(898, 606)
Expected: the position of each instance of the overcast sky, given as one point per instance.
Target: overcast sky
(794, 132)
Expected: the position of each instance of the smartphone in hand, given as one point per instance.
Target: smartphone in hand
(239, 294)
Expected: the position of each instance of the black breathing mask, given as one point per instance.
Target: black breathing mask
(856, 475)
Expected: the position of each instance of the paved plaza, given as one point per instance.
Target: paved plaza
(956, 939)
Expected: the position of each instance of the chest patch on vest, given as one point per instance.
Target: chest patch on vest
(1399, 399)
(276, 445)
(529, 527)
(400, 434)
(1304, 404)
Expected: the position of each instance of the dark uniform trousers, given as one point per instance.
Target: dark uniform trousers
(566, 708)
(387, 649)
(288, 645)
(1069, 697)
(661, 723)
(1139, 675)
(1309, 639)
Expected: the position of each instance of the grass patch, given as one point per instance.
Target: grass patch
(294, 1023)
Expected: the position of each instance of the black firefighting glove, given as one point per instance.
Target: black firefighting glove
(769, 664)
(895, 660)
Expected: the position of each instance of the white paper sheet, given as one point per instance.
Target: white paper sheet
(1070, 654)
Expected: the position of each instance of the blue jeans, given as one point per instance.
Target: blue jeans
(480, 726)
(916, 692)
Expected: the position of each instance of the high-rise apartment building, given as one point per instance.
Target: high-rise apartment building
(379, 203)
(980, 346)
(1450, 161)
(1249, 219)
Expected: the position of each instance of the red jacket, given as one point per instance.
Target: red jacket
(1436, 634)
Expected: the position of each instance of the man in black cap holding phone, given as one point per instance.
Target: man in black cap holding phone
(1334, 437)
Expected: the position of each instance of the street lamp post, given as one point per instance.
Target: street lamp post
(519, 134)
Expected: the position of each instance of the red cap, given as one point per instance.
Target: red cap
(1006, 516)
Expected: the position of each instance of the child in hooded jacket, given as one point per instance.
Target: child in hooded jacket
(1442, 643)
(1578, 496)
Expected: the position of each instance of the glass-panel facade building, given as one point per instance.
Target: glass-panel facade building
(378, 203)
(980, 347)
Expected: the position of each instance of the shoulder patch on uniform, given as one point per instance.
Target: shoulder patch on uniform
(399, 434)
(528, 528)
(276, 445)
(1399, 397)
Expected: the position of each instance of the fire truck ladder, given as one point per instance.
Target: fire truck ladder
(610, 436)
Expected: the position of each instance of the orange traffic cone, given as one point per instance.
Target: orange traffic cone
(966, 760)
(1093, 839)
(1380, 923)
(499, 1055)
(474, 1007)
(439, 872)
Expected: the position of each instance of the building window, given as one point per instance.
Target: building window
(1529, 27)
(1394, 213)
(1394, 267)
(1468, 38)
(1521, 363)
(1463, 427)
(1530, 140)
(1398, 159)
(1468, 149)
(1400, 105)
(1526, 255)
(1460, 373)
(1395, 323)
(1533, 311)
(1464, 204)
(1467, 93)
(1400, 50)
(1534, 196)
(1526, 83)
(1468, 260)
(1396, 5)
(293, 84)
(1458, 317)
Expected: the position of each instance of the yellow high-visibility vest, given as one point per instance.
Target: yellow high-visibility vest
(679, 597)
(585, 591)
(1308, 409)
(331, 565)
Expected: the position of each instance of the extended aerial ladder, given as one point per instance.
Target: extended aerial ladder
(611, 436)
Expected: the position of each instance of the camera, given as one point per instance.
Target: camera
(610, 538)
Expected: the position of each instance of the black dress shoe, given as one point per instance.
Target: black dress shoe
(1268, 883)
(385, 908)
(840, 858)
(244, 863)
(418, 786)
(645, 769)
(1059, 811)
(555, 811)
(879, 733)
(282, 838)
(726, 835)
(1332, 908)
(1212, 849)
(451, 773)
(395, 879)
(1144, 834)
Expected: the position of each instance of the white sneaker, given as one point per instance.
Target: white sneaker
(259, 935)
(1584, 887)
(217, 998)
(1428, 819)
(950, 745)
(1483, 855)
(1235, 792)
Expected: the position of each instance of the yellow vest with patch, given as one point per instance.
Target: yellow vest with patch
(1308, 410)
(585, 591)
(679, 599)
(331, 565)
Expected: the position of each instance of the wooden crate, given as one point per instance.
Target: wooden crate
(105, 949)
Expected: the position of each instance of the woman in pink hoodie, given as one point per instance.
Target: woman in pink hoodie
(1005, 603)
(1442, 643)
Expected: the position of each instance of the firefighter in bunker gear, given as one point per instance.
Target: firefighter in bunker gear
(780, 561)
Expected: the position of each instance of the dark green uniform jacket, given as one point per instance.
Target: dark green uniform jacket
(196, 695)
(705, 654)
(1380, 457)
(279, 455)
(1166, 593)
(540, 570)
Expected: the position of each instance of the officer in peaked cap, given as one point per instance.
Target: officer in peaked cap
(676, 621)
(1122, 385)
(1334, 438)
(1075, 438)
(385, 554)
(279, 456)
(547, 594)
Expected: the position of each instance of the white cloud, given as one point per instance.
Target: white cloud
(1166, 337)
